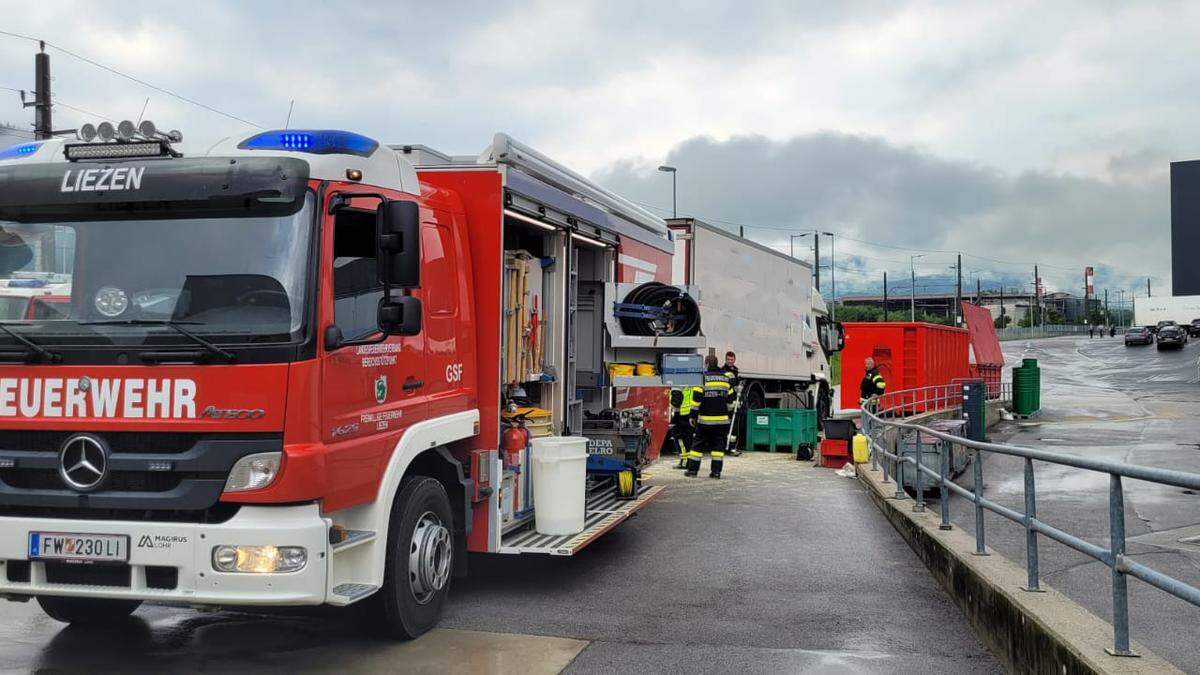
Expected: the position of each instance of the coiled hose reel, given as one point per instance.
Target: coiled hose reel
(656, 309)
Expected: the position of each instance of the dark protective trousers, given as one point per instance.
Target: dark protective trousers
(710, 438)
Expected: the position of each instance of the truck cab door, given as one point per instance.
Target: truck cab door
(374, 390)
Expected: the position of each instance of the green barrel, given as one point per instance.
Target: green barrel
(1027, 384)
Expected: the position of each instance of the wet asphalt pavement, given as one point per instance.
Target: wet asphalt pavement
(778, 567)
(1130, 404)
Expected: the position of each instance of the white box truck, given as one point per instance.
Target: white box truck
(760, 304)
(1179, 308)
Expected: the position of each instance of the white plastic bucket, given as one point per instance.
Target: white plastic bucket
(559, 484)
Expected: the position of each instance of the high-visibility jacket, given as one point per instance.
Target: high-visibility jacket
(872, 384)
(685, 400)
(714, 405)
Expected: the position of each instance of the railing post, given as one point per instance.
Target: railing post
(980, 548)
(1120, 591)
(944, 496)
(920, 478)
(899, 466)
(1031, 542)
(884, 462)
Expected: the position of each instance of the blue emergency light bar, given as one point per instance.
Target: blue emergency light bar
(27, 283)
(315, 141)
(21, 150)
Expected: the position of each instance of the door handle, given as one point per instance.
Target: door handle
(412, 385)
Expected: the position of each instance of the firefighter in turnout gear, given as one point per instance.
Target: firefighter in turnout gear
(712, 421)
(683, 424)
(731, 371)
(872, 385)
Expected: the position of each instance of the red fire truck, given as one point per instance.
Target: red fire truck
(287, 367)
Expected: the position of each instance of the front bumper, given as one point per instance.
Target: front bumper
(186, 547)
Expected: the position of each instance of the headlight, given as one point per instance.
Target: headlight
(259, 559)
(254, 472)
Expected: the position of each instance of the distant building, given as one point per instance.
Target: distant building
(1185, 227)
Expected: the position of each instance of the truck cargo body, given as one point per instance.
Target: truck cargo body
(760, 304)
(908, 356)
(1180, 308)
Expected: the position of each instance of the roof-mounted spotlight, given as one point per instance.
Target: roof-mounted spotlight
(106, 131)
(126, 131)
(87, 132)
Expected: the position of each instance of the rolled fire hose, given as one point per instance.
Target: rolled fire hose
(657, 309)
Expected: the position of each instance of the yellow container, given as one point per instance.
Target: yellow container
(620, 370)
(861, 449)
(645, 369)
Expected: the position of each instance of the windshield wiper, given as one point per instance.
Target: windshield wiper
(33, 348)
(211, 348)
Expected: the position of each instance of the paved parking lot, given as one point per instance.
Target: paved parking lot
(778, 567)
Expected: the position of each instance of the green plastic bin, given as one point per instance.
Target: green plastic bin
(781, 429)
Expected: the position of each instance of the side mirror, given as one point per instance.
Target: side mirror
(400, 316)
(398, 230)
(841, 336)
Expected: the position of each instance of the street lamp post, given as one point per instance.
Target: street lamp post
(671, 170)
(912, 267)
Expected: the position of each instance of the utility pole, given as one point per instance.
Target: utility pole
(817, 258)
(1037, 298)
(43, 126)
(1147, 287)
(978, 291)
(958, 289)
(885, 298)
(912, 268)
(1003, 323)
(1106, 316)
(665, 169)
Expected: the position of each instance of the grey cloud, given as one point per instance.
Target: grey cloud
(869, 189)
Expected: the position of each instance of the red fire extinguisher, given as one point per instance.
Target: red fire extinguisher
(515, 441)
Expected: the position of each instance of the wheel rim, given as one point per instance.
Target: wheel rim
(429, 558)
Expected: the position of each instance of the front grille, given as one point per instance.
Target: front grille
(132, 442)
(88, 575)
(120, 481)
(188, 488)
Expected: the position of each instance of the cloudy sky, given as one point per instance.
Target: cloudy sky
(1014, 132)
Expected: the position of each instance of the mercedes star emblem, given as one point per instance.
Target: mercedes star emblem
(84, 384)
(83, 462)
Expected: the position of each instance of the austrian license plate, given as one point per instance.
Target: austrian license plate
(78, 547)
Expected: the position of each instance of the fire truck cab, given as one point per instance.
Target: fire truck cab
(282, 375)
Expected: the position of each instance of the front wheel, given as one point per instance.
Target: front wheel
(420, 558)
(87, 611)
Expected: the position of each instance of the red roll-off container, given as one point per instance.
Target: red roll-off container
(908, 355)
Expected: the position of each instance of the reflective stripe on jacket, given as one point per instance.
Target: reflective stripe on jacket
(872, 384)
(714, 404)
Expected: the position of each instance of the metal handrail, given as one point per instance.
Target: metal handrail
(885, 414)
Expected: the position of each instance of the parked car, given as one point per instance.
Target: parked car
(1138, 335)
(1194, 328)
(1172, 336)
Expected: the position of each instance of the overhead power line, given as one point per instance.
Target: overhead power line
(910, 249)
(132, 78)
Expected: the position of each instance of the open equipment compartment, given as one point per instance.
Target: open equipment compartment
(563, 250)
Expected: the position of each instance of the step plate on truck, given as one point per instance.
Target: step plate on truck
(604, 512)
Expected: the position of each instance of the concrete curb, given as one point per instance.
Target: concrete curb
(1028, 632)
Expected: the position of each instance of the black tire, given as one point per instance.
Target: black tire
(395, 611)
(87, 611)
(805, 453)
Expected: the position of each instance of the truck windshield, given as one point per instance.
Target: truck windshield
(231, 279)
